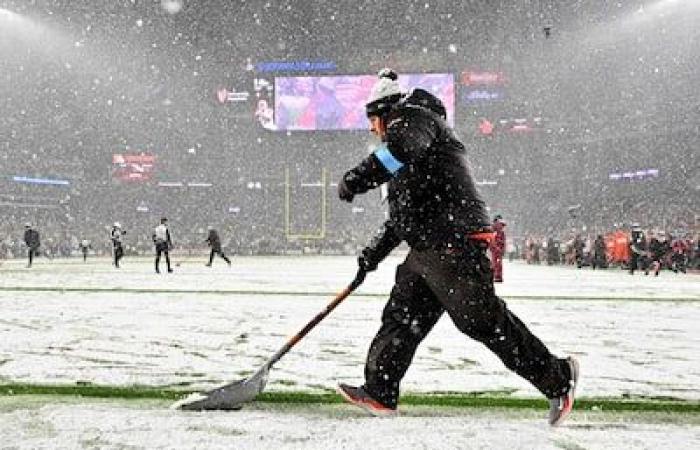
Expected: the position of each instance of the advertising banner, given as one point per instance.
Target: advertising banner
(132, 167)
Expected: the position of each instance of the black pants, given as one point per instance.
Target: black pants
(162, 248)
(32, 252)
(118, 254)
(219, 252)
(678, 262)
(638, 262)
(633, 262)
(431, 282)
(599, 260)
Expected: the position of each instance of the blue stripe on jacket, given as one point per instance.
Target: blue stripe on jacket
(390, 163)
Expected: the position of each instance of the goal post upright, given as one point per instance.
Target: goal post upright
(319, 234)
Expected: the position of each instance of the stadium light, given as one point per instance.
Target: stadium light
(5, 14)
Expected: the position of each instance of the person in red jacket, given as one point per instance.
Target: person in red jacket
(498, 247)
(679, 248)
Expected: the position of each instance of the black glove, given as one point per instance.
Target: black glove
(366, 262)
(379, 248)
(344, 191)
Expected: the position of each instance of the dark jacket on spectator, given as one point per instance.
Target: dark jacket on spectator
(214, 241)
(31, 238)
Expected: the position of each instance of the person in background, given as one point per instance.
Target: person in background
(117, 247)
(578, 246)
(497, 247)
(678, 256)
(84, 247)
(638, 248)
(32, 240)
(215, 243)
(658, 249)
(599, 256)
(163, 243)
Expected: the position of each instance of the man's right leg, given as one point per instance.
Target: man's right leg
(221, 253)
(211, 257)
(167, 259)
(462, 283)
(159, 250)
(228, 261)
(408, 317)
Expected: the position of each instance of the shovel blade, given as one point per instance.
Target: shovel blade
(228, 397)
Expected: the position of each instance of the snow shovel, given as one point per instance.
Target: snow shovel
(231, 396)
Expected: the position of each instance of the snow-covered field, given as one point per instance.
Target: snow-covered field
(634, 335)
(329, 273)
(147, 426)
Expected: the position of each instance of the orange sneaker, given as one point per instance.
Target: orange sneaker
(359, 397)
(560, 407)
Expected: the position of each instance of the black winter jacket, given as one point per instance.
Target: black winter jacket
(433, 202)
(659, 249)
(214, 241)
(31, 238)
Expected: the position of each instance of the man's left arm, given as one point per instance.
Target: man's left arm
(367, 175)
(406, 142)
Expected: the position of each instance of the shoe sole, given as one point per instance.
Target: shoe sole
(574, 366)
(369, 409)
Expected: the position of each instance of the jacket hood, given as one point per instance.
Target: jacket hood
(424, 99)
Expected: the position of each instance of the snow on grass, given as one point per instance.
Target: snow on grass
(330, 274)
(194, 340)
(92, 424)
(187, 339)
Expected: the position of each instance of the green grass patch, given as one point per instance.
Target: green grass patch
(496, 399)
(81, 389)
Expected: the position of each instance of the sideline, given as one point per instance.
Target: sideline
(447, 399)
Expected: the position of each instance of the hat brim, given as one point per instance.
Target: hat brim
(381, 106)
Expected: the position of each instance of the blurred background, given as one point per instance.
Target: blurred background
(578, 117)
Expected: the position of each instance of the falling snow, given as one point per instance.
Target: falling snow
(581, 127)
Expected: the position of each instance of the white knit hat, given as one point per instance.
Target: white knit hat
(384, 93)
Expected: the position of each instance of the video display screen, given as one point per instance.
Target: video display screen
(338, 102)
